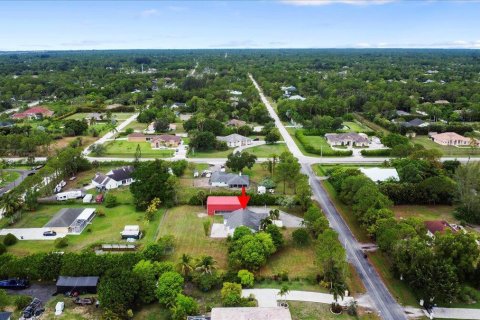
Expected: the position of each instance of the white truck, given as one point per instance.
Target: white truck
(68, 195)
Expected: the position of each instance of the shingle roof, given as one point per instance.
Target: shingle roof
(413, 123)
(229, 178)
(64, 218)
(349, 136)
(233, 138)
(244, 217)
(101, 179)
(167, 137)
(436, 225)
(122, 173)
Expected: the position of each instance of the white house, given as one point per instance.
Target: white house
(380, 174)
(114, 179)
(235, 140)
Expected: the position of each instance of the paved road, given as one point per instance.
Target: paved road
(11, 185)
(385, 304)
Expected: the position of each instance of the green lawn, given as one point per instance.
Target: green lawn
(6, 177)
(265, 151)
(137, 126)
(315, 311)
(120, 116)
(425, 212)
(210, 154)
(124, 148)
(370, 124)
(356, 126)
(315, 141)
(447, 151)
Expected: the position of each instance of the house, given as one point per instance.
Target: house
(177, 105)
(288, 90)
(250, 313)
(297, 97)
(5, 315)
(156, 141)
(380, 174)
(80, 284)
(231, 180)
(243, 217)
(402, 113)
(442, 102)
(415, 123)
(114, 178)
(165, 140)
(347, 139)
(94, 116)
(131, 232)
(453, 139)
(71, 220)
(236, 123)
(235, 92)
(222, 204)
(435, 226)
(235, 140)
(33, 113)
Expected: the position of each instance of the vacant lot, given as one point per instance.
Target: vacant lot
(356, 126)
(438, 212)
(315, 311)
(265, 151)
(210, 154)
(186, 226)
(123, 148)
(447, 151)
(119, 116)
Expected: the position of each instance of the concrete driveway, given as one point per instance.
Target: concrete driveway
(30, 233)
(269, 297)
(11, 185)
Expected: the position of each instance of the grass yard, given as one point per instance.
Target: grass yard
(120, 116)
(356, 126)
(315, 311)
(316, 141)
(137, 126)
(8, 177)
(266, 150)
(447, 151)
(258, 173)
(184, 224)
(370, 124)
(124, 148)
(425, 212)
(210, 154)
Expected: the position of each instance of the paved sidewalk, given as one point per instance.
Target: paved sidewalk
(269, 297)
(30, 233)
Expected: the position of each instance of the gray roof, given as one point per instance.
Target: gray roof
(5, 315)
(402, 113)
(233, 138)
(122, 173)
(413, 123)
(64, 217)
(101, 178)
(244, 217)
(229, 178)
(77, 281)
(349, 136)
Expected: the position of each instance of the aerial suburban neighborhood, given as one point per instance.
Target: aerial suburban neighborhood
(240, 160)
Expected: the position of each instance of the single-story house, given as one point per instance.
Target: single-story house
(287, 90)
(235, 92)
(71, 220)
(95, 116)
(80, 284)
(5, 315)
(243, 217)
(231, 180)
(33, 113)
(114, 178)
(435, 226)
(177, 105)
(296, 97)
(442, 102)
(131, 232)
(380, 174)
(236, 123)
(250, 313)
(235, 140)
(347, 139)
(402, 113)
(156, 141)
(452, 139)
(415, 123)
(222, 204)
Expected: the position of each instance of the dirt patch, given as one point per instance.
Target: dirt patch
(202, 215)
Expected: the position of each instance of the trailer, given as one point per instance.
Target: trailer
(68, 195)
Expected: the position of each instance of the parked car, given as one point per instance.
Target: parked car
(34, 309)
(49, 233)
(84, 301)
(99, 198)
(256, 139)
(30, 174)
(17, 284)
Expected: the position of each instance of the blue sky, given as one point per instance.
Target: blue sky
(57, 25)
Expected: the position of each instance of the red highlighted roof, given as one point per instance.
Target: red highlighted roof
(437, 226)
(222, 200)
(33, 111)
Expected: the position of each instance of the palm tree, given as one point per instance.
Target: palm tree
(206, 265)
(11, 202)
(185, 265)
(274, 214)
(284, 290)
(264, 223)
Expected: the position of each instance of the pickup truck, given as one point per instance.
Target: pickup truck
(17, 284)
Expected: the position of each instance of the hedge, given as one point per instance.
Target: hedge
(376, 153)
(326, 152)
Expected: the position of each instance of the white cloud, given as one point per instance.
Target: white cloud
(328, 2)
(149, 13)
(454, 44)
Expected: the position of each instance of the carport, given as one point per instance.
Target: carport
(80, 284)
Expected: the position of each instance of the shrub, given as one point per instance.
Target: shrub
(110, 201)
(21, 302)
(100, 213)
(129, 131)
(3, 249)
(300, 237)
(61, 243)
(9, 240)
(231, 294)
(247, 278)
(376, 153)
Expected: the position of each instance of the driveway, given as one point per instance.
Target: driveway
(253, 144)
(11, 185)
(43, 292)
(269, 297)
(30, 233)
(456, 313)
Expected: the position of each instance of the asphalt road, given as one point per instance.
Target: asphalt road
(386, 305)
(11, 185)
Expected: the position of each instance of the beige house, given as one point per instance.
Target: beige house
(453, 139)
(347, 139)
(236, 123)
(235, 140)
(156, 141)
